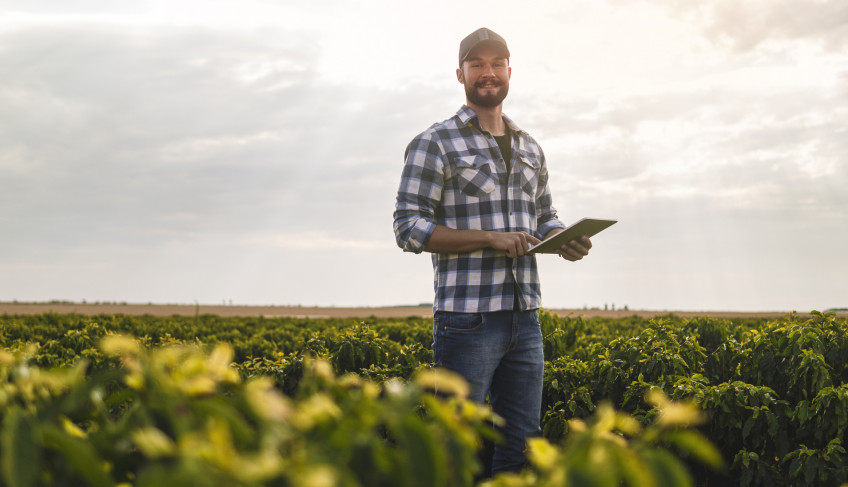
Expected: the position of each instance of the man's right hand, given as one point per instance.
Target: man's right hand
(446, 240)
(515, 244)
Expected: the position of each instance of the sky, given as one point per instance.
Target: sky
(249, 151)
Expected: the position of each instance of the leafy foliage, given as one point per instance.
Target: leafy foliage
(207, 400)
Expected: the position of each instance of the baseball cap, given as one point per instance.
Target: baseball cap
(477, 37)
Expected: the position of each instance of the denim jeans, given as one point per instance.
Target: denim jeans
(500, 354)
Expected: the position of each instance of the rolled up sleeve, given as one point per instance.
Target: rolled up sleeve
(419, 194)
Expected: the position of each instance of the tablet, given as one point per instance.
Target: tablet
(586, 227)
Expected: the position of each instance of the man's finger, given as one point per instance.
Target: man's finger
(531, 239)
(574, 255)
(578, 248)
(569, 252)
(564, 255)
(519, 247)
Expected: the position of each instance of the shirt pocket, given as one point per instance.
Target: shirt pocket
(473, 175)
(529, 172)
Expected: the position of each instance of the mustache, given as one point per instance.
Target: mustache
(494, 82)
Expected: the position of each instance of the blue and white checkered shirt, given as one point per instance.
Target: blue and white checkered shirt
(454, 175)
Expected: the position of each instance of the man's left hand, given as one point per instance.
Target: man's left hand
(575, 249)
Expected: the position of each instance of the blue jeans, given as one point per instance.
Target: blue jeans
(500, 354)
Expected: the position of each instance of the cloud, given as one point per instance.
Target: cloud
(781, 150)
(323, 241)
(747, 24)
(163, 133)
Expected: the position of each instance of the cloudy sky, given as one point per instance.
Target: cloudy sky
(249, 151)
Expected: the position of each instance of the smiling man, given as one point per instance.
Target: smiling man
(474, 192)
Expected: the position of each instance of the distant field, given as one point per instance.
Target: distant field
(330, 312)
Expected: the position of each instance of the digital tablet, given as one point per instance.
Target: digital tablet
(586, 227)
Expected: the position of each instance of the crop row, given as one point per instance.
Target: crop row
(774, 393)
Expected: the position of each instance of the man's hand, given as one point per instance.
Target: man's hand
(515, 244)
(576, 249)
(446, 240)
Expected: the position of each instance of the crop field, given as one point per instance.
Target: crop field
(207, 400)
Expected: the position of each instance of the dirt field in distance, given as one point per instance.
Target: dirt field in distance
(326, 312)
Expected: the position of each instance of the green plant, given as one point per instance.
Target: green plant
(614, 449)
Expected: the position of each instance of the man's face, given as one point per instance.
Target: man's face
(485, 74)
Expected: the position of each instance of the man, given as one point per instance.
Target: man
(474, 193)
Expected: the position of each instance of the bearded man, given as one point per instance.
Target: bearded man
(474, 193)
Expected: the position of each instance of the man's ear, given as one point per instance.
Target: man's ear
(459, 76)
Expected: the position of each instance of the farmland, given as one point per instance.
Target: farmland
(202, 399)
(289, 311)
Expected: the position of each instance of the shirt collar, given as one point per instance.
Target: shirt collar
(467, 115)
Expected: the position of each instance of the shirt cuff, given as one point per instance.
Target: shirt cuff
(546, 227)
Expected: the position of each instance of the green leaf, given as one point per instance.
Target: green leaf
(746, 459)
(794, 467)
(427, 466)
(631, 469)
(667, 470)
(803, 412)
(746, 430)
(80, 455)
(21, 454)
(811, 468)
(747, 477)
(696, 445)
(772, 424)
(216, 408)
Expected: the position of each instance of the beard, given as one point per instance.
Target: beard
(489, 100)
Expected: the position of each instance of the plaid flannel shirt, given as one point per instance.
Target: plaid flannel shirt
(454, 175)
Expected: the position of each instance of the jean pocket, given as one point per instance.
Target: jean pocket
(462, 321)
